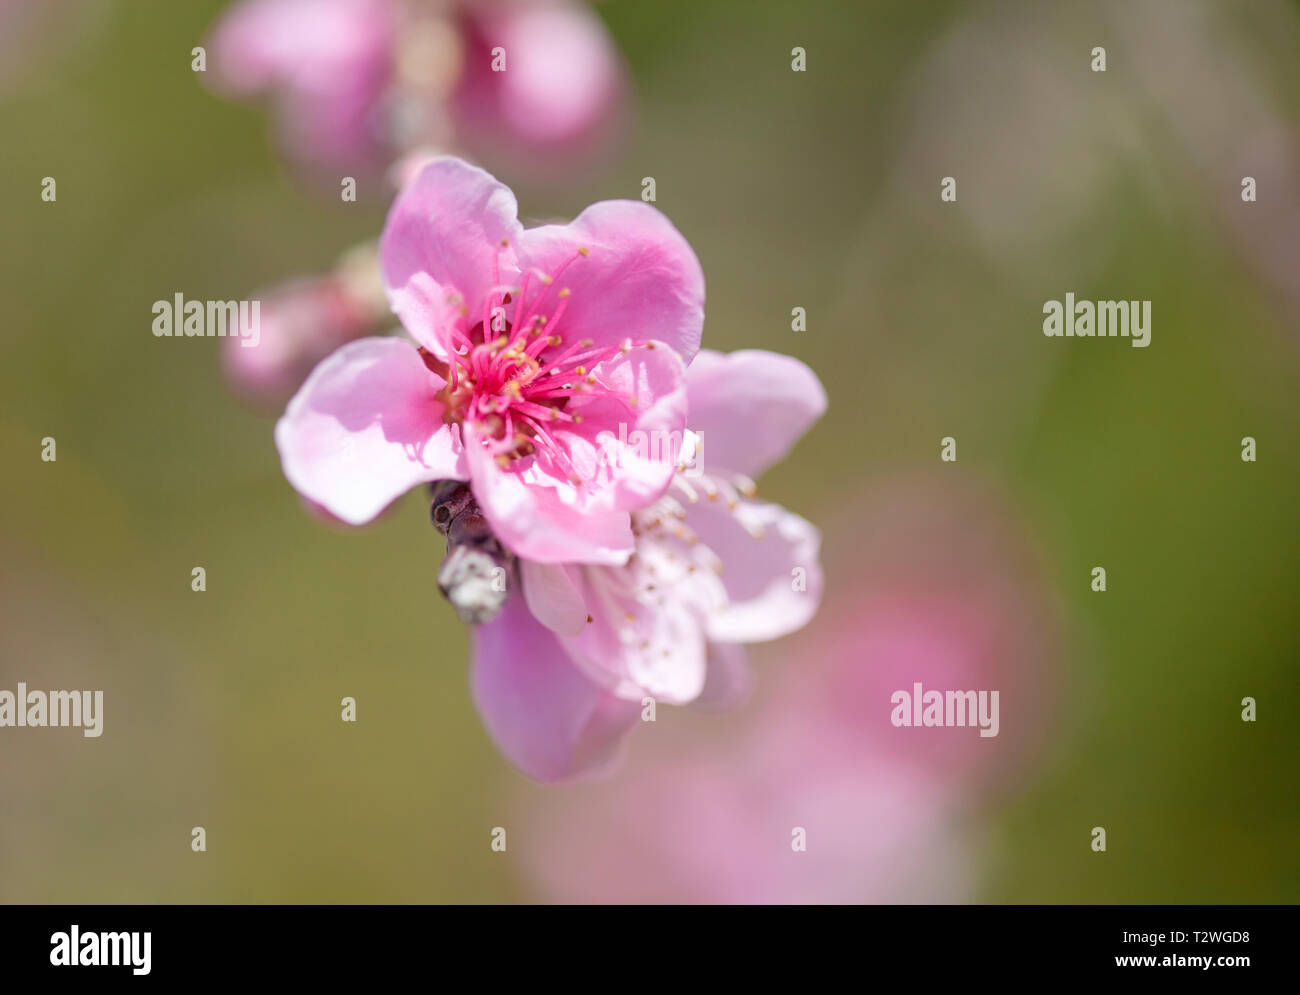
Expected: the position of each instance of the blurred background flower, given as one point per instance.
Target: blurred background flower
(299, 323)
(357, 84)
(817, 190)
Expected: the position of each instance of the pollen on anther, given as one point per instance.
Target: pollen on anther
(565, 292)
(590, 619)
(583, 252)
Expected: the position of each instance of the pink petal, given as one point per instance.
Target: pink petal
(563, 85)
(365, 428)
(449, 223)
(635, 648)
(544, 715)
(258, 43)
(542, 520)
(751, 407)
(774, 583)
(640, 278)
(553, 597)
(428, 312)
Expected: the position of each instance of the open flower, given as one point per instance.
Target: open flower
(534, 348)
(357, 83)
(562, 673)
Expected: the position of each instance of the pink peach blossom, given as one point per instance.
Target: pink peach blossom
(358, 83)
(713, 568)
(534, 347)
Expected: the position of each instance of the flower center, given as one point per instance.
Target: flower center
(514, 378)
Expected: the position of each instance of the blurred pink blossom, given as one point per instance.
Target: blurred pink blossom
(301, 322)
(949, 594)
(358, 83)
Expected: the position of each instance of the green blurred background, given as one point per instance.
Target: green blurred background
(816, 189)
